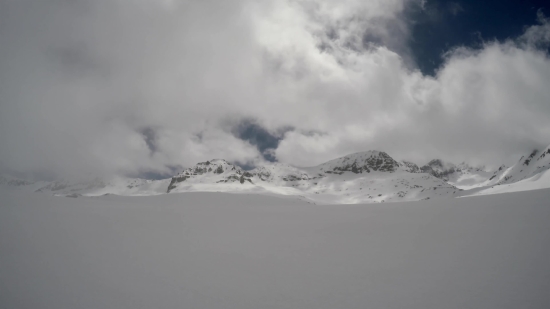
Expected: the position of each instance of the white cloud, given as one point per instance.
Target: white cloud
(80, 80)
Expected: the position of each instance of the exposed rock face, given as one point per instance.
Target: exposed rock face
(498, 172)
(439, 169)
(175, 180)
(544, 153)
(531, 156)
(410, 167)
(383, 163)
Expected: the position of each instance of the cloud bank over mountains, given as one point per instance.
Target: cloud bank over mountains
(136, 86)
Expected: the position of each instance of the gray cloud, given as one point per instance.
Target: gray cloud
(150, 137)
(127, 86)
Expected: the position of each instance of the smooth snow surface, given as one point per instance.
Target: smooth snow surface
(218, 250)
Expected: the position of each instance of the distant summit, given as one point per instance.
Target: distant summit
(361, 162)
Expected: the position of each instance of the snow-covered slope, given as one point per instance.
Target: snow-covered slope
(531, 172)
(538, 181)
(528, 166)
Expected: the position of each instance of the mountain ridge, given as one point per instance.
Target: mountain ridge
(363, 177)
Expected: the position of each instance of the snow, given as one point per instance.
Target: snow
(539, 181)
(220, 250)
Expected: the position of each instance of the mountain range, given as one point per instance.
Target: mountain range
(365, 177)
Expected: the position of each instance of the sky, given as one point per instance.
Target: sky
(147, 87)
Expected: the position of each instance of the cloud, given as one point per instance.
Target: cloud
(537, 35)
(482, 106)
(136, 86)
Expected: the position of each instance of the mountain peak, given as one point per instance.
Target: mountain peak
(361, 162)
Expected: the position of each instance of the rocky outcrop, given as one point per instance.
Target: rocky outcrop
(410, 167)
(531, 156)
(439, 169)
(382, 163)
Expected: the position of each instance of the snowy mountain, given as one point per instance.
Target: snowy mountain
(374, 176)
(362, 162)
(364, 177)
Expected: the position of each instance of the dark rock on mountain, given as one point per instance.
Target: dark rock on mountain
(362, 162)
(531, 156)
(410, 167)
(439, 169)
